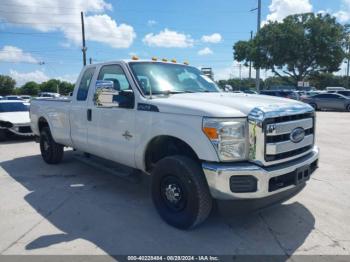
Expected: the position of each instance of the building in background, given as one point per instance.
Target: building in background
(208, 71)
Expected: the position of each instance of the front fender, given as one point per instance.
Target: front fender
(184, 127)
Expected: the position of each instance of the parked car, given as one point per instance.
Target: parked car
(14, 118)
(171, 122)
(335, 88)
(26, 98)
(342, 92)
(13, 98)
(246, 91)
(281, 93)
(48, 95)
(328, 101)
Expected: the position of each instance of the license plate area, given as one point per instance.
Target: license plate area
(302, 175)
(297, 177)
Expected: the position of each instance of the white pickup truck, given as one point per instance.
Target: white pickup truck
(172, 122)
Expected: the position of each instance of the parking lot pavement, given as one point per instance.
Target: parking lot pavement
(75, 209)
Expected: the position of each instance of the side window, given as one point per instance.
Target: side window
(115, 74)
(121, 95)
(85, 84)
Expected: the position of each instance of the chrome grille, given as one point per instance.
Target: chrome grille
(278, 144)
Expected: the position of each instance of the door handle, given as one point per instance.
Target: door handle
(89, 114)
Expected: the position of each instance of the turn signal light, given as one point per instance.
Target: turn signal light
(211, 132)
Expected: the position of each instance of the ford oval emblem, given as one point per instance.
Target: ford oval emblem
(297, 135)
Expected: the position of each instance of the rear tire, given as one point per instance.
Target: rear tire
(180, 192)
(51, 152)
(348, 108)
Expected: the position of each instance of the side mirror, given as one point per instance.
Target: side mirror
(107, 96)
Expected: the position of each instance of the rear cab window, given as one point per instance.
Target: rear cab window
(85, 83)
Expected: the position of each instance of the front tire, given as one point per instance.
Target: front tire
(348, 108)
(51, 152)
(180, 192)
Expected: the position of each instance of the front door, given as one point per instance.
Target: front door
(111, 131)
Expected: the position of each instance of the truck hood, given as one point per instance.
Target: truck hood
(224, 104)
(15, 117)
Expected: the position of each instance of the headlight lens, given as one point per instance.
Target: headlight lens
(228, 136)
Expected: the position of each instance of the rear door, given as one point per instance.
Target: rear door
(79, 110)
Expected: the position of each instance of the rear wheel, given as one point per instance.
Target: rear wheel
(348, 108)
(180, 192)
(51, 152)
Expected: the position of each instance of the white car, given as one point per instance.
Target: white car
(14, 118)
(173, 123)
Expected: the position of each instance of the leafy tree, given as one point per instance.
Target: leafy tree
(7, 85)
(30, 88)
(300, 46)
(65, 88)
(50, 86)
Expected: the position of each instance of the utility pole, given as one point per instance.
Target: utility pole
(348, 67)
(83, 38)
(250, 62)
(240, 71)
(258, 29)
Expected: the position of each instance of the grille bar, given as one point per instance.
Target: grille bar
(278, 145)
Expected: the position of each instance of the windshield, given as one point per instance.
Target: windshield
(164, 78)
(13, 107)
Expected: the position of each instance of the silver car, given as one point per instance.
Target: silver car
(328, 101)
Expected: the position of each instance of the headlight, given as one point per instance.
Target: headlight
(228, 136)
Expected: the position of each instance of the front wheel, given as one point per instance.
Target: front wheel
(51, 152)
(180, 192)
(348, 108)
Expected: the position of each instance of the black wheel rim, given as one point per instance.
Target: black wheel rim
(173, 193)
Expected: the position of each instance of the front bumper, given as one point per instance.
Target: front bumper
(21, 130)
(218, 176)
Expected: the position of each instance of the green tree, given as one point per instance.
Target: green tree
(300, 46)
(30, 88)
(65, 88)
(50, 86)
(7, 85)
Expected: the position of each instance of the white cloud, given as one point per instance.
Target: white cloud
(22, 78)
(151, 23)
(205, 51)
(214, 38)
(279, 9)
(16, 55)
(39, 76)
(168, 38)
(64, 16)
(343, 15)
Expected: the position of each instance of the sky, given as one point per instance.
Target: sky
(41, 39)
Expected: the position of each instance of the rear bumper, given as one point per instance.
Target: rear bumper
(265, 181)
